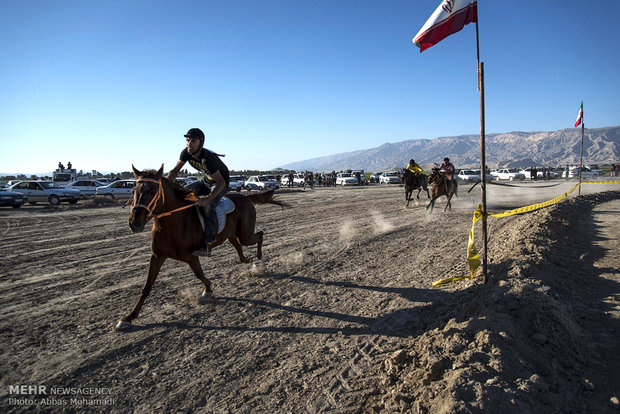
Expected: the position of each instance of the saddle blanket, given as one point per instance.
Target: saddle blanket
(224, 207)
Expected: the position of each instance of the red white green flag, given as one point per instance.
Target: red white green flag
(450, 17)
(579, 115)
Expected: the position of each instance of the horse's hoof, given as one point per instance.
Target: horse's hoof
(207, 297)
(122, 326)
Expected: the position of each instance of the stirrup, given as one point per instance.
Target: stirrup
(203, 252)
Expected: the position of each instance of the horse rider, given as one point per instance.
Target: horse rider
(215, 170)
(447, 169)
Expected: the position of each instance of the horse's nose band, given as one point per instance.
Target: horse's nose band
(149, 209)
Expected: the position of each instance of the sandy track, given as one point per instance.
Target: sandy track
(346, 283)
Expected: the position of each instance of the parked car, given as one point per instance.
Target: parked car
(118, 190)
(86, 187)
(235, 182)
(389, 177)
(36, 191)
(506, 174)
(374, 177)
(298, 180)
(468, 175)
(261, 182)
(586, 172)
(362, 175)
(345, 179)
(11, 198)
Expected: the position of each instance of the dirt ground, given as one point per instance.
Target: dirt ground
(339, 317)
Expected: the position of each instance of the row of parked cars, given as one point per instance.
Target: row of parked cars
(32, 192)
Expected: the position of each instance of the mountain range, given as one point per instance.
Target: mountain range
(510, 149)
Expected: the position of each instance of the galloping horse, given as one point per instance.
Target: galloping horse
(177, 231)
(414, 183)
(441, 186)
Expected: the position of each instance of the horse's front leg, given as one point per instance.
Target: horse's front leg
(431, 204)
(154, 267)
(194, 263)
(448, 204)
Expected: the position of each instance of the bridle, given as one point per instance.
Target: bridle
(153, 203)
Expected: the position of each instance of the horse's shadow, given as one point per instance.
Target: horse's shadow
(404, 322)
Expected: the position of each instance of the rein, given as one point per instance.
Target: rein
(159, 195)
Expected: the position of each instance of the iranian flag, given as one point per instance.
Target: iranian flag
(450, 17)
(579, 115)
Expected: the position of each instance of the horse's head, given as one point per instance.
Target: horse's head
(146, 195)
(435, 176)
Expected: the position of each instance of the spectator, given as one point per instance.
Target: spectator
(566, 170)
(291, 177)
(60, 166)
(69, 165)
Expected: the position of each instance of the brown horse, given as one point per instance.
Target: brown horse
(441, 186)
(413, 182)
(177, 231)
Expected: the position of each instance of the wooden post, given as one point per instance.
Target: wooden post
(483, 172)
(583, 125)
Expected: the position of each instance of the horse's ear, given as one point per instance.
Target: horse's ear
(160, 172)
(136, 173)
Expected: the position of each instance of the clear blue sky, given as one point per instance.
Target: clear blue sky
(105, 84)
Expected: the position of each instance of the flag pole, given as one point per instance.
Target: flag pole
(581, 154)
(483, 171)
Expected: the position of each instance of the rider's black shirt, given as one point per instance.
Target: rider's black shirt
(207, 162)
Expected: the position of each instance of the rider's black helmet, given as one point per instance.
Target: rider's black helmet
(447, 159)
(196, 133)
(412, 161)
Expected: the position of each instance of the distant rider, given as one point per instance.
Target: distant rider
(414, 167)
(447, 169)
(215, 171)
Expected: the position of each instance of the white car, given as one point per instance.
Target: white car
(345, 179)
(389, 177)
(586, 172)
(46, 191)
(468, 175)
(298, 180)
(506, 174)
(86, 187)
(118, 190)
(261, 182)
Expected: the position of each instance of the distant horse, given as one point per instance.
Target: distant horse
(414, 183)
(177, 231)
(441, 186)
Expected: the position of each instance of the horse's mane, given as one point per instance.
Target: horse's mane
(179, 190)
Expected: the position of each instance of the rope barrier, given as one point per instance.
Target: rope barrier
(473, 258)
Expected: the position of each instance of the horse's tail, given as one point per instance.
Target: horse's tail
(265, 197)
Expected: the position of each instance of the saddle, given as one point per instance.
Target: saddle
(224, 207)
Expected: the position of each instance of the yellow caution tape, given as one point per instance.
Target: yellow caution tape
(473, 258)
(601, 182)
(535, 206)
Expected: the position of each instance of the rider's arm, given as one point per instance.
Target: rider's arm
(172, 174)
(220, 184)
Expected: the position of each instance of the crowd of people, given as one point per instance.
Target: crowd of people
(61, 166)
